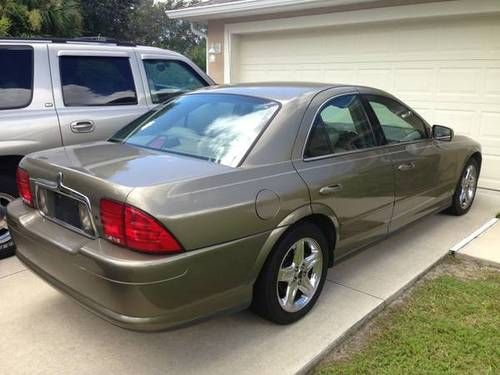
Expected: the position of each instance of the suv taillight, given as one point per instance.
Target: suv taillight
(23, 186)
(131, 227)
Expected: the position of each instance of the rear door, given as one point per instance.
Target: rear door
(97, 90)
(345, 169)
(424, 172)
(28, 121)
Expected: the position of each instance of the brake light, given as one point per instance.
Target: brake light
(131, 227)
(23, 186)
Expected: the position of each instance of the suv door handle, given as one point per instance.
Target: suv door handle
(406, 166)
(85, 126)
(330, 189)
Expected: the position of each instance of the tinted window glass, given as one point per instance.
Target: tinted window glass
(340, 126)
(216, 127)
(16, 77)
(398, 123)
(92, 81)
(167, 78)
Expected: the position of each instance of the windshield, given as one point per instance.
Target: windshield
(216, 127)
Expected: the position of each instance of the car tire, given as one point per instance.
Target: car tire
(301, 282)
(8, 192)
(465, 190)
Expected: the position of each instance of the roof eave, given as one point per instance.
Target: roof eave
(252, 7)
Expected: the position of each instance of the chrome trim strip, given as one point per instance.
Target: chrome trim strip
(62, 189)
(382, 147)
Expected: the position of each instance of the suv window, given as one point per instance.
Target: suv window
(340, 126)
(167, 78)
(16, 77)
(97, 80)
(398, 123)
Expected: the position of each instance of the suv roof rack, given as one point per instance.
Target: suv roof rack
(84, 39)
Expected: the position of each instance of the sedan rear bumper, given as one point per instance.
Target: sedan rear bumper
(133, 290)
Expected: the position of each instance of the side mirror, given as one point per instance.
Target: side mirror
(442, 133)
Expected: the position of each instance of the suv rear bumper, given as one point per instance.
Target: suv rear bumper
(133, 290)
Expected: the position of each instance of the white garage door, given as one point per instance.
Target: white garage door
(447, 69)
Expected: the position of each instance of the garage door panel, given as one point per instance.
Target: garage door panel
(448, 69)
(462, 121)
(339, 75)
(490, 125)
(492, 82)
(459, 81)
(381, 78)
(489, 171)
(414, 81)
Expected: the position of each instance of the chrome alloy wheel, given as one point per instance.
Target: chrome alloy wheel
(5, 199)
(299, 275)
(468, 186)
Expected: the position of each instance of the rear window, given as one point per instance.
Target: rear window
(97, 81)
(16, 77)
(216, 127)
(167, 78)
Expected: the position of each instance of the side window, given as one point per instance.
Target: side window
(96, 81)
(167, 78)
(340, 126)
(16, 76)
(398, 123)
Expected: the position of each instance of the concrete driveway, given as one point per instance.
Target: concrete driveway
(42, 331)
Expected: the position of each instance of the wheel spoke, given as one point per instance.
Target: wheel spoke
(306, 287)
(467, 173)
(300, 270)
(298, 255)
(462, 197)
(311, 261)
(291, 292)
(286, 274)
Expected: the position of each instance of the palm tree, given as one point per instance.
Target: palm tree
(40, 17)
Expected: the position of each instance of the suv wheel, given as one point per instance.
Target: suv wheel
(8, 192)
(293, 276)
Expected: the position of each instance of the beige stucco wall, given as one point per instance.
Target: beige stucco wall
(216, 27)
(216, 35)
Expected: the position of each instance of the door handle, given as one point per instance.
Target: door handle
(330, 189)
(406, 166)
(85, 126)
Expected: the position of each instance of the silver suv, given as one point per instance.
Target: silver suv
(62, 92)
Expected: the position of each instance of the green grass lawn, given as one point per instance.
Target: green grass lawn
(449, 324)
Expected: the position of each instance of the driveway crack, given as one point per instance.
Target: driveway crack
(356, 290)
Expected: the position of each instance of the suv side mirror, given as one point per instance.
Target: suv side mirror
(442, 133)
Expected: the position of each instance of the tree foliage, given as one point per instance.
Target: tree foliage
(109, 18)
(140, 21)
(151, 26)
(23, 18)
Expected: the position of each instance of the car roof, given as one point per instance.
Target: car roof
(279, 91)
(86, 42)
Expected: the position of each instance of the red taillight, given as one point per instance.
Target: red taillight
(130, 227)
(112, 221)
(23, 186)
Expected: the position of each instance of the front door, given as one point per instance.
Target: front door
(96, 92)
(423, 172)
(346, 170)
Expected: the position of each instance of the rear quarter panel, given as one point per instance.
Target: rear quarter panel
(226, 207)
